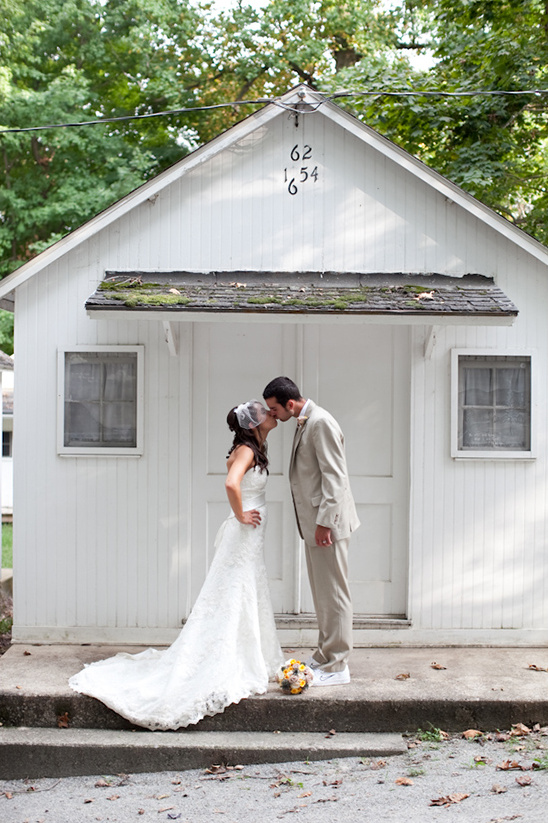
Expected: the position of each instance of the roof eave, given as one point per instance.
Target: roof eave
(412, 318)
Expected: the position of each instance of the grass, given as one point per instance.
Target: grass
(431, 735)
(542, 761)
(7, 547)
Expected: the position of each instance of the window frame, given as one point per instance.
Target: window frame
(99, 451)
(489, 454)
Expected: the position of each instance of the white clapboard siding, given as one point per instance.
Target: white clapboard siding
(102, 545)
(479, 531)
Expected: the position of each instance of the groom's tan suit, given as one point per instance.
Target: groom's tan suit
(318, 476)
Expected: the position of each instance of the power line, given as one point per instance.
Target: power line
(275, 101)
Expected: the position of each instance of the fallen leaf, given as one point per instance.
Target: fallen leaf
(524, 780)
(449, 799)
(519, 730)
(497, 789)
(8, 795)
(141, 811)
(403, 781)
(305, 794)
(27, 654)
(216, 768)
(508, 765)
(402, 676)
(167, 809)
(470, 734)
(379, 764)
(437, 666)
(326, 800)
(161, 796)
(63, 721)
(174, 291)
(102, 784)
(114, 797)
(536, 668)
(89, 800)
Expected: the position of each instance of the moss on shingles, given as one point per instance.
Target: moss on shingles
(409, 289)
(264, 300)
(125, 285)
(144, 298)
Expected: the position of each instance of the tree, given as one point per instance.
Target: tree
(495, 146)
(82, 60)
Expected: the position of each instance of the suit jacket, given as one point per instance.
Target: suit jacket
(318, 477)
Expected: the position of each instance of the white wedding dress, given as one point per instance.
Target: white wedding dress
(227, 650)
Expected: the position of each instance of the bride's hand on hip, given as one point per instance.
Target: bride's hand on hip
(250, 518)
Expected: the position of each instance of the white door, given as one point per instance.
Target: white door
(361, 375)
(232, 363)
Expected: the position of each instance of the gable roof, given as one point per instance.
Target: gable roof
(302, 99)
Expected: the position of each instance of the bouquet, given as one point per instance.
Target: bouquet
(294, 677)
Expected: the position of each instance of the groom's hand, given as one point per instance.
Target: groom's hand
(323, 536)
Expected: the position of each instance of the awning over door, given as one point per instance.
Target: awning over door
(433, 298)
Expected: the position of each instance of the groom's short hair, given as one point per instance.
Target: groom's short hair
(283, 389)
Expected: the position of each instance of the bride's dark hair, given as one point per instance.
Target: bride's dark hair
(246, 437)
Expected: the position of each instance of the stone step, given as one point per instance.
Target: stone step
(36, 753)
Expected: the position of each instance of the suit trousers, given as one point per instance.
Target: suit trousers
(328, 574)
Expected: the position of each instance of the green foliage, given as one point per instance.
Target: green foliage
(75, 61)
(495, 147)
(6, 331)
(7, 546)
(542, 761)
(431, 735)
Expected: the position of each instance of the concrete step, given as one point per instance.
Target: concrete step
(36, 753)
(476, 688)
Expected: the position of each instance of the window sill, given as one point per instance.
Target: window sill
(497, 456)
(101, 453)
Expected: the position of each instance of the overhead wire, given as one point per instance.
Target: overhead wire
(277, 102)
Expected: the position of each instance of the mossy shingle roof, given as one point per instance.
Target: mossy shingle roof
(301, 293)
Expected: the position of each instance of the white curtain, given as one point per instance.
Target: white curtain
(100, 399)
(495, 407)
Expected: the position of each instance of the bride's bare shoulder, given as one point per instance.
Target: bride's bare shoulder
(243, 455)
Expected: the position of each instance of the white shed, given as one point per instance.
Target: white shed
(299, 242)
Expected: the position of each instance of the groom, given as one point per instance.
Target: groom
(326, 516)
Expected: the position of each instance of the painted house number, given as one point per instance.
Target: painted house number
(305, 173)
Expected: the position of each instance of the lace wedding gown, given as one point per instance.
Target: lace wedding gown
(226, 651)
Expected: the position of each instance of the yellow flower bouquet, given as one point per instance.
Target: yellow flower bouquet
(295, 677)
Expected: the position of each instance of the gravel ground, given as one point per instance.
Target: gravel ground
(485, 780)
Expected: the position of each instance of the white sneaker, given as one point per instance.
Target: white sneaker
(312, 663)
(322, 678)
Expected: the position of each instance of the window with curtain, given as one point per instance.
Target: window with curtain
(100, 400)
(494, 403)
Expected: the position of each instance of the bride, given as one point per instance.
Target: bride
(228, 648)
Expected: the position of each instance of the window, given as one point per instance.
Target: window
(492, 405)
(7, 437)
(99, 400)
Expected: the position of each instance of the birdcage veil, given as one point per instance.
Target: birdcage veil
(250, 414)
